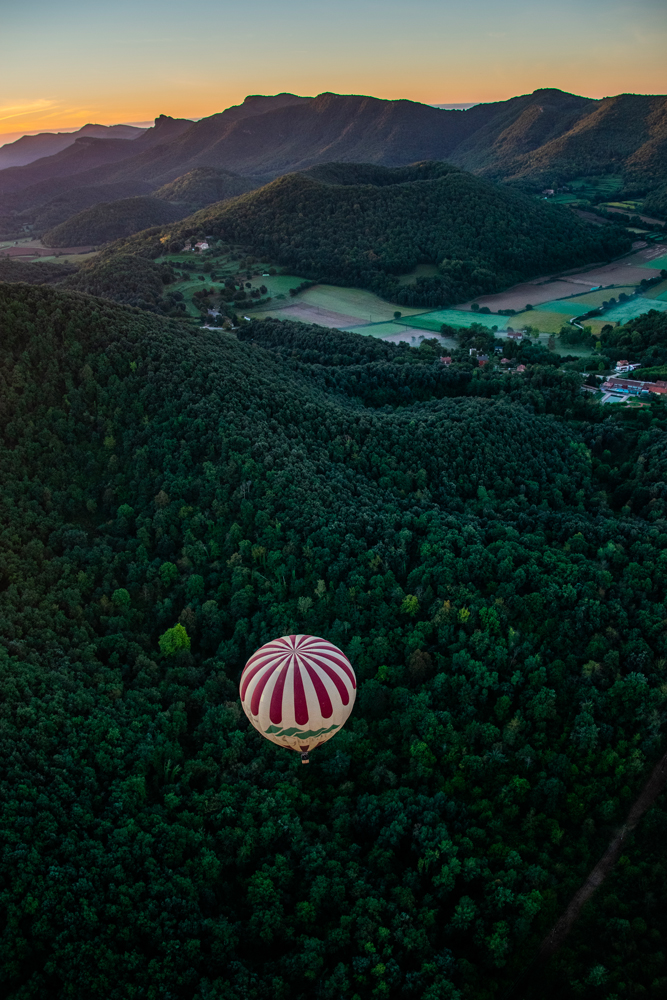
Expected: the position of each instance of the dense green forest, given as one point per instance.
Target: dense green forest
(112, 220)
(202, 186)
(363, 225)
(130, 279)
(490, 551)
(656, 202)
(34, 273)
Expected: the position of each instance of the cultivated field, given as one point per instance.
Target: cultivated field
(352, 306)
(555, 300)
(659, 260)
(538, 292)
(306, 314)
(397, 332)
(455, 317)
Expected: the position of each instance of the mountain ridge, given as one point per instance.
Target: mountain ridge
(532, 140)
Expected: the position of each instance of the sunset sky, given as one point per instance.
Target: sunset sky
(76, 61)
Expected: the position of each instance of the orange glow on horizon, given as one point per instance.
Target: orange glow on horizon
(51, 116)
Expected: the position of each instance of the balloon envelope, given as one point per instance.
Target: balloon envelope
(298, 691)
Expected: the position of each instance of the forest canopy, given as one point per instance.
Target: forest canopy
(489, 550)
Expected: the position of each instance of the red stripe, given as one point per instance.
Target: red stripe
(337, 679)
(276, 709)
(255, 667)
(257, 693)
(322, 694)
(341, 662)
(300, 703)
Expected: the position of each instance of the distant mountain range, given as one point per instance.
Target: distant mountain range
(535, 140)
(33, 147)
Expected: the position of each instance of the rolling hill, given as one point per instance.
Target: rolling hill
(202, 186)
(365, 225)
(107, 221)
(112, 221)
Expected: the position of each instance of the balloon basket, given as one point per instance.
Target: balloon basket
(304, 757)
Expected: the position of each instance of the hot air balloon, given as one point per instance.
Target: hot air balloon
(298, 691)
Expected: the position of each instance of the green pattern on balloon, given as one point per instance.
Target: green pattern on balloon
(309, 734)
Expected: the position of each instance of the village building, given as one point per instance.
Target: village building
(633, 387)
(625, 366)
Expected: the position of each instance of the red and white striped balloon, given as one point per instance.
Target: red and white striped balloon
(298, 691)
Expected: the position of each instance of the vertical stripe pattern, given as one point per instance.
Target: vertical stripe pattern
(298, 691)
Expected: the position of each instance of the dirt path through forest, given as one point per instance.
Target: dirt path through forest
(559, 932)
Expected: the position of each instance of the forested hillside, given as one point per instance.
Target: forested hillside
(203, 186)
(112, 221)
(489, 550)
(34, 273)
(364, 225)
(107, 221)
(656, 203)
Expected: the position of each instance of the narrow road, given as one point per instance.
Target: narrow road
(559, 932)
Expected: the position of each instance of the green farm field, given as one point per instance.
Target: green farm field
(550, 322)
(457, 318)
(582, 303)
(347, 302)
(354, 302)
(591, 299)
(657, 263)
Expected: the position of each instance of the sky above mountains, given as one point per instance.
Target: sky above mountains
(65, 64)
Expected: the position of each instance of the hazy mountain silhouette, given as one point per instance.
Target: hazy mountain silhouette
(33, 147)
